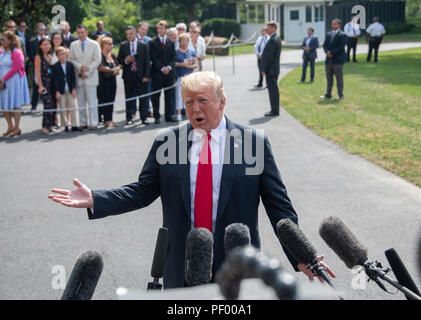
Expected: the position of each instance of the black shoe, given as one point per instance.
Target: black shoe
(341, 98)
(326, 96)
(271, 114)
(172, 119)
(67, 129)
(258, 86)
(76, 129)
(83, 128)
(146, 122)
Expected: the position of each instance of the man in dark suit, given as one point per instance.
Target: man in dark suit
(100, 31)
(198, 191)
(310, 45)
(134, 57)
(68, 38)
(21, 32)
(162, 51)
(33, 50)
(334, 47)
(270, 67)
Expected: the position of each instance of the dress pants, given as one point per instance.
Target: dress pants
(337, 71)
(272, 83)
(159, 82)
(87, 97)
(352, 44)
(306, 61)
(35, 96)
(260, 83)
(106, 95)
(374, 43)
(67, 101)
(133, 88)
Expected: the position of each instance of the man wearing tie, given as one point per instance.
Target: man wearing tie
(258, 49)
(310, 45)
(352, 31)
(334, 47)
(198, 189)
(68, 38)
(270, 65)
(375, 34)
(85, 54)
(134, 57)
(162, 51)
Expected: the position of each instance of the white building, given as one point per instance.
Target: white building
(293, 16)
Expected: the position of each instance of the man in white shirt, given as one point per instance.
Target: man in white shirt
(259, 46)
(374, 34)
(352, 31)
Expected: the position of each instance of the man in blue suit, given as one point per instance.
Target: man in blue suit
(334, 47)
(202, 174)
(310, 45)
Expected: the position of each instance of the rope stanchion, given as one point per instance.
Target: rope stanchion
(107, 104)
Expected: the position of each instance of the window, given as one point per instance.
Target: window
(319, 13)
(322, 11)
(243, 13)
(294, 15)
(260, 14)
(252, 13)
(316, 13)
(309, 11)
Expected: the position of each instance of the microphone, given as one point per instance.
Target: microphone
(345, 244)
(199, 257)
(247, 262)
(301, 249)
(84, 277)
(236, 235)
(400, 271)
(159, 258)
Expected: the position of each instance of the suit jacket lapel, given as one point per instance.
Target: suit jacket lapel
(230, 169)
(184, 145)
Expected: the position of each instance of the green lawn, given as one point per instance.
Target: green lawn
(380, 118)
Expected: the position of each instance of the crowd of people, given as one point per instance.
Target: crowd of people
(75, 77)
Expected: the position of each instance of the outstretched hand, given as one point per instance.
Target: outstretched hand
(305, 268)
(81, 197)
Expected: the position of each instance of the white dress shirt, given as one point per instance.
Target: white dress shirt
(376, 29)
(308, 40)
(66, 87)
(217, 146)
(260, 44)
(352, 29)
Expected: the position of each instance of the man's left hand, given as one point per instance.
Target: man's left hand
(305, 268)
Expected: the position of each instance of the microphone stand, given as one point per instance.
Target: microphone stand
(154, 285)
(374, 271)
(318, 269)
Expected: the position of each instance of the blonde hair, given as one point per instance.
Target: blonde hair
(102, 40)
(62, 49)
(183, 36)
(197, 81)
(162, 23)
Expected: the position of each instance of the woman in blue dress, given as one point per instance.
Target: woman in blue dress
(14, 90)
(185, 63)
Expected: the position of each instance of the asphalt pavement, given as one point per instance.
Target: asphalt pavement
(39, 237)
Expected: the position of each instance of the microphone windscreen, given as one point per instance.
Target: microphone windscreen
(199, 257)
(400, 271)
(160, 254)
(236, 235)
(294, 240)
(341, 240)
(84, 277)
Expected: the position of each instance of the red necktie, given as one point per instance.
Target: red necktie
(203, 195)
(134, 67)
(163, 43)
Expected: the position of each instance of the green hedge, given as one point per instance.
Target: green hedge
(221, 27)
(399, 28)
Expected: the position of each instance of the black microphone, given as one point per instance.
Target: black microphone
(236, 235)
(199, 257)
(400, 271)
(300, 248)
(159, 258)
(345, 244)
(84, 277)
(247, 262)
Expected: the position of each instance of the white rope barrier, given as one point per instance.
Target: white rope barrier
(107, 104)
